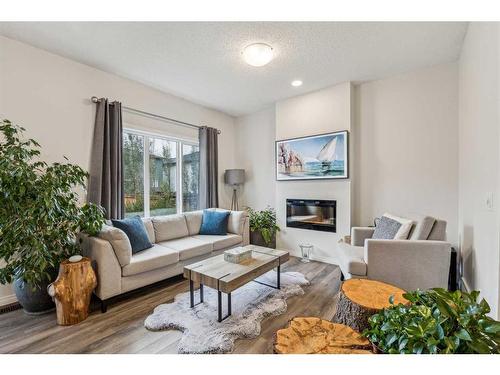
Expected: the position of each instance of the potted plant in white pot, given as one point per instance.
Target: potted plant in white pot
(263, 227)
(40, 217)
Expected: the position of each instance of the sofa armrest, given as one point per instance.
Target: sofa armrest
(108, 269)
(408, 264)
(360, 234)
(246, 232)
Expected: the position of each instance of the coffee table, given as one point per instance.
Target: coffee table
(225, 277)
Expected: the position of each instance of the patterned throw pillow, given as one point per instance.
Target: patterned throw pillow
(386, 229)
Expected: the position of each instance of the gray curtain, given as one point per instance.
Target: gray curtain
(106, 165)
(209, 176)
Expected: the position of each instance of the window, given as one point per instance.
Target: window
(160, 174)
(133, 174)
(190, 176)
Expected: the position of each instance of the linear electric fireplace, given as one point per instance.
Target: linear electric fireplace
(312, 214)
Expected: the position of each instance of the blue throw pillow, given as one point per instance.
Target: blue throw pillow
(214, 222)
(136, 232)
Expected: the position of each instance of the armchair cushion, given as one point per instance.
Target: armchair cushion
(360, 234)
(422, 228)
(351, 259)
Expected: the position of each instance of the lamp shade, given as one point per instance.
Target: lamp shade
(234, 176)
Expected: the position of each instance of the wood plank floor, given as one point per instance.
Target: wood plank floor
(121, 329)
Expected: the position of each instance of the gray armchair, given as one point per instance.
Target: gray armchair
(421, 262)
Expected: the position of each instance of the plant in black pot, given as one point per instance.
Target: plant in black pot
(40, 217)
(263, 227)
(436, 322)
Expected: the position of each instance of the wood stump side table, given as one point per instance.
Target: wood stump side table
(72, 291)
(309, 335)
(361, 298)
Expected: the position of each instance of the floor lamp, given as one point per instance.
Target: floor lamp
(234, 177)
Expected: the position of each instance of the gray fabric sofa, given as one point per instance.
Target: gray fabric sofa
(176, 243)
(420, 262)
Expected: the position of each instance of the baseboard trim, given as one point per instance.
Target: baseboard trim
(9, 303)
(7, 300)
(318, 258)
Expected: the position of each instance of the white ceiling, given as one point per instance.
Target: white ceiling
(202, 61)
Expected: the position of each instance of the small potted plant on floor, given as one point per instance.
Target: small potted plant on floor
(436, 322)
(263, 227)
(40, 217)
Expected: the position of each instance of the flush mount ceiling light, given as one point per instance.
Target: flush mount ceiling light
(258, 54)
(297, 83)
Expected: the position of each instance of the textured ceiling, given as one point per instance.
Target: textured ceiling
(202, 61)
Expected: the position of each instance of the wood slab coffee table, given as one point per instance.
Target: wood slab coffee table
(225, 277)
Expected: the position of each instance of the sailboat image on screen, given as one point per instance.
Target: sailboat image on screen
(315, 157)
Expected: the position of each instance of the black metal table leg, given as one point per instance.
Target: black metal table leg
(220, 318)
(191, 292)
(201, 292)
(278, 277)
(219, 306)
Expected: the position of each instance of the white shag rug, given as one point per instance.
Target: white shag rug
(251, 304)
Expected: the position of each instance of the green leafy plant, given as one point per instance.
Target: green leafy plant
(263, 222)
(40, 216)
(436, 321)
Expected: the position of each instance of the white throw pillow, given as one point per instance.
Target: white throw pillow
(404, 230)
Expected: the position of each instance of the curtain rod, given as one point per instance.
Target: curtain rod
(95, 99)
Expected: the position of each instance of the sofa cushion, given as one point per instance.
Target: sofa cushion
(236, 220)
(119, 241)
(214, 222)
(170, 227)
(351, 259)
(136, 232)
(422, 228)
(148, 224)
(221, 242)
(150, 259)
(188, 247)
(193, 221)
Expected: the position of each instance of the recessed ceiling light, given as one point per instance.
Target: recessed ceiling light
(297, 83)
(258, 54)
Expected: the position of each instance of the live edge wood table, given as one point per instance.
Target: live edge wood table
(310, 335)
(225, 277)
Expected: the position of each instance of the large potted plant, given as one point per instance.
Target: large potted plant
(263, 227)
(436, 322)
(40, 217)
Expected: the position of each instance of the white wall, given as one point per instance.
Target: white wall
(406, 132)
(318, 112)
(255, 136)
(479, 153)
(49, 96)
